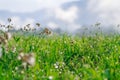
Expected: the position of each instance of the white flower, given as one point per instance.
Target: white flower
(22, 72)
(16, 68)
(50, 77)
(56, 66)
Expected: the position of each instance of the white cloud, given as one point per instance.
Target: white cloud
(108, 11)
(69, 15)
(52, 25)
(2, 22)
(73, 27)
(21, 23)
(23, 6)
(67, 18)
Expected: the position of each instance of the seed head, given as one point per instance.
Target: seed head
(7, 35)
(38, 24)
(47, 31)
(27, 59)
(9, 20)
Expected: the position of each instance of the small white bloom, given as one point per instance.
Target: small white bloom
(22, 72)
(16, 68)
(50, 77)
(56, 66)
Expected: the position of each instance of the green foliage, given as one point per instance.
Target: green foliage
(63, 58)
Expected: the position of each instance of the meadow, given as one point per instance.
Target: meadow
(60, 57)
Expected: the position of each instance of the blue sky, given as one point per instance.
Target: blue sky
(68, 15)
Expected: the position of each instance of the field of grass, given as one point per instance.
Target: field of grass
(62, 58)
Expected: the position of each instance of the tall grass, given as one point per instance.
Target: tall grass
(62, 58)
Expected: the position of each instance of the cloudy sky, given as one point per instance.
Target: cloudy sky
(68, 15)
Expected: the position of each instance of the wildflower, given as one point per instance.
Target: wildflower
(50, 77)
(38, 24)
(9, 20)
(22, 72)
(7, 35)
(28, 25)
(56, 66)
(9, 26)
(16, 68)
(47, 31)
(27, 59)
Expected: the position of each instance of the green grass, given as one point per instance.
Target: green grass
(63, 57)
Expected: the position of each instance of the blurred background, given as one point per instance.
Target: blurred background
(73, 16)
